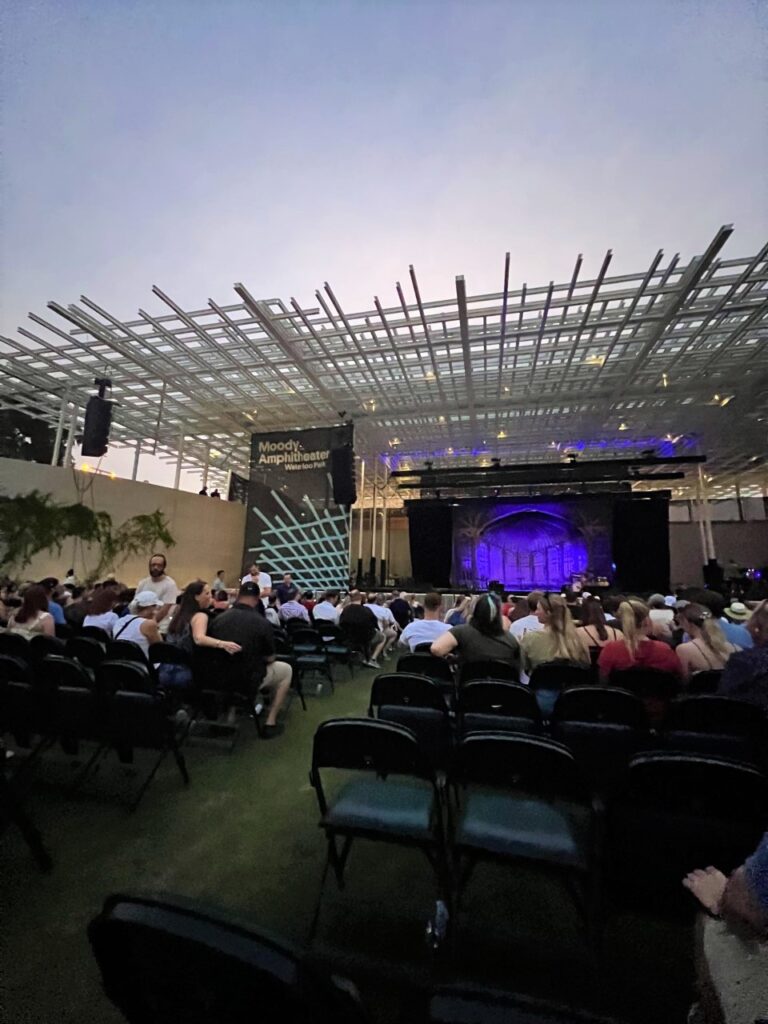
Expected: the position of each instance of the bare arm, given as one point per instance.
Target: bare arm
(161, 613)
(199, 627)
(444, 644)
(150, 630)
(49, 626)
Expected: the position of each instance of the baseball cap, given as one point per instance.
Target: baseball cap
(147, 599)
(249, 589)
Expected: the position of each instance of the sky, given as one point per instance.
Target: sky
(283, 144)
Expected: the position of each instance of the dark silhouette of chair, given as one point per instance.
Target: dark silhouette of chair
(166, 961)
(41, 645)
(125, 650)
(311, 654)
(24, 710)
(63, 631)
(491, 669)
(549, 679)
(523, 800)
(86, 650)
(676, 812)
(722, 726)
(284, 652)
(417, 703)
(655, 688)
(291, 625)
(12, 812)
(96, 633)
(393, 796)
(14, 645)
(498, 706)
(125, 675)
(77, 710)
(463, 1004)
(604, 728)
(336, 646)
(707, 681)
(223, 681)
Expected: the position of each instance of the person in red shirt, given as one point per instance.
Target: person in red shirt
(636, 649)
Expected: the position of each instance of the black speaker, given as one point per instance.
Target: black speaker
(343, 475)
(98, 420)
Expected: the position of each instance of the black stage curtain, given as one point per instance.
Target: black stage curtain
(431, 539)
(641, 544)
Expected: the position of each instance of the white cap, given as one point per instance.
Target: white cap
(670, 600)
(147, 599)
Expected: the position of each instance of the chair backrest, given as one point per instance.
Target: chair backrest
(14, 669)
(647, 683)
(426, 665)
(707, 681)
(600, 704)
(498, 697)
(86, 650)
(60, 671)
(168, 654)
(404, 689)
(490, 669)
(709, 713)
(125, 650)
(14, 645)
(306, 637)
(63, 630)
(41, 645)
(559, 675)
(96, 633)
(291, 625)
(366, 744)
(163, 961)
(130, 676)
(531, 763)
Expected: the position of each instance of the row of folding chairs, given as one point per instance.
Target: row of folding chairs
(604, 726)
(116, 707)
(522, 799)
(164, 960)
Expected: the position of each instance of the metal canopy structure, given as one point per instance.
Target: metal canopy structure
(672, 359)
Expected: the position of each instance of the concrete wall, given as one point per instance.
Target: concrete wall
(209, 534)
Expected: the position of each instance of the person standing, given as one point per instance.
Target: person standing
(256, 575)
(163, 586)
(218, 583)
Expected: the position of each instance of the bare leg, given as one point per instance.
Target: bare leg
(278, 679)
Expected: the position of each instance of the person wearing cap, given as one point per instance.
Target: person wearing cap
(732, 627)
(746, 674)
(244, 625)
(163, 586)
(141, 627)
(662, 617)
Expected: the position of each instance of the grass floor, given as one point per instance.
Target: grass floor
(243, 836)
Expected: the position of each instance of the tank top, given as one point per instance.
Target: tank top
(30, 628)
(131, 630)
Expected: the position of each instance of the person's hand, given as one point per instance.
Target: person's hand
(708, 886)
(230, 646)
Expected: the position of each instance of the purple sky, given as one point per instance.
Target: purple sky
(191, 144)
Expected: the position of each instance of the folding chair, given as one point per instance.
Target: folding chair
(42, 645)
(433, 668)
(284, 652)
(396, 801)
(490, 669)
(126, 650)
(464, 1004)
(14, 645)
(707, 681)
(417, 703)
(551, 678)
(77, 712)
(25, 711)
(655, 688)
(496, 705)
(166, 961)
(311, 654)
(85, 649)
(604, 728)
(523, 800)
(721, 726)
(336, 647)
(96, 633)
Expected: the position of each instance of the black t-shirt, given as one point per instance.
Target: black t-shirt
(243, 625)
(401, 611)
(358, 620)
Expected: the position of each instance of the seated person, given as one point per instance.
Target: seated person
(662, 617)
(33, 617)
(292, 608)
(740, 899)
(400, 609)
(243, 625)
(429, 628)
(328, 609)
(141, 627)
(361, 626)
(746, 674)
(557, 640)
(707, 647)
(386, 623)
(483, 638)
(220, 602)
(594, 632)
(637, 649)
(101, 611)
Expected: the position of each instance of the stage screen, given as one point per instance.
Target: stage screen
(529, 543)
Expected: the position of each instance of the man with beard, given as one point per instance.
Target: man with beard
(164, 587)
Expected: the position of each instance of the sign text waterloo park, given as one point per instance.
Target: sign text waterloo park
(290, 455)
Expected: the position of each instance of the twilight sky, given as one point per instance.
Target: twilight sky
(192, 144)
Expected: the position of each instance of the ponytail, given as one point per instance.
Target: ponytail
(632, 614)
(711, 633)
(562, 629)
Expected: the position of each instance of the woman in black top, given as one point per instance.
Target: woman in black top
(483, 638)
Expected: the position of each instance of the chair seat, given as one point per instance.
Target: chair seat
(399, 806)
(554, 831)
(311, 659)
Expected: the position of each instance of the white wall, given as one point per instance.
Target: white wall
(209, 534)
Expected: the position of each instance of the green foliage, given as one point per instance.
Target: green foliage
(34, 522)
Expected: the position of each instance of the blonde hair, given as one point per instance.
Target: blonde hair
(562, 628)
(632, 614)
(711, 633)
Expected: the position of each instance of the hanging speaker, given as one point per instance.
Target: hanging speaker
(343, 475)
(98, 420)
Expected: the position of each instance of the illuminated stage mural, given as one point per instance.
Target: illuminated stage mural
(531, 544)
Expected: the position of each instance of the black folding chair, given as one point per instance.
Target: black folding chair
(41, 645)
(96, 633)
(550, 679)
(417, 703)
(311, 654)
(496, 705)
(426, 665)
(396, 801)
(490, 669)
(707, 681)
(336, 646)
(24, 709)
(655, 688)
(63, 631)
(77, 712)
(604, 728)
(523, 800)
(676, 812)
(463, 1004)
(722, 726)
(284, 652)
(88, 651)
(14, 645)
(126, 650)
(166, 961)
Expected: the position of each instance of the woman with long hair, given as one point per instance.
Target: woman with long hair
(594, 632)
(460, 612)
(189, 625)
(33, 617)
(636, 649)
(707, 648)
(746, 673)
(557, 640)
(483, 638)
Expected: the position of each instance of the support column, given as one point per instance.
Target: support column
(361, 525)
(60, 428)
(205, 467)
(177, 480)
(372, 570)
(71, 435)
(383, 569)
(707, 510)
(136, 457)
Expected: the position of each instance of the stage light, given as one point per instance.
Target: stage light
(623, 426)
(665, 380)
(113, 475)
(501, 434)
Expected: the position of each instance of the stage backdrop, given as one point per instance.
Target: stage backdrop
(531, 543)
(293, 524)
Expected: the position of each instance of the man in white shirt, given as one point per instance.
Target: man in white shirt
(263, 579)
(328, 609)
(159, 583)
(423, 631)
(529, 623)
(385, 620)
(662, 617)
(218, 583)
